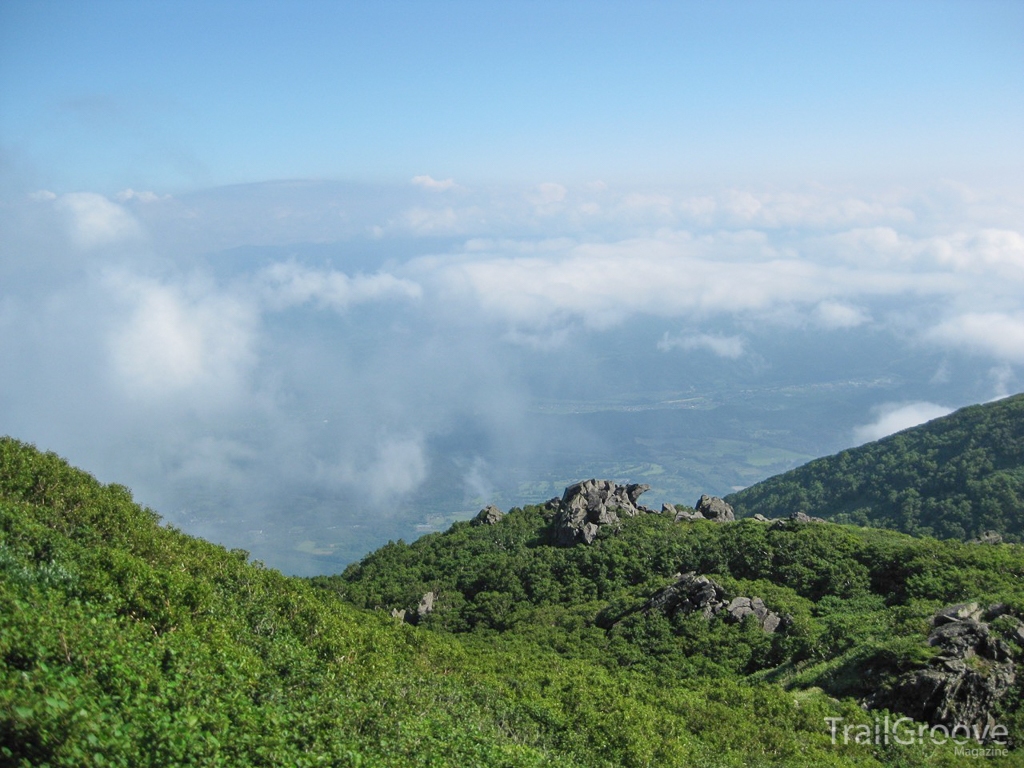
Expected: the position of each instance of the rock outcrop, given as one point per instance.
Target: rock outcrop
(707, 508)
(988, 537)
(972, 670)
(691, 593)
(588, 506)
(489, 515)
(797, 518)
(426, 605)
(713, 508)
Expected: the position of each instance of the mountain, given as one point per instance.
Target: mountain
(919, 627)
(958, 476)
(585, 631)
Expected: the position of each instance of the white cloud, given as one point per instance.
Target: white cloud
(288, 284)
(142, 196)
(731, 347)
(425, 221)
(895, 417)
(999, 334)
(176, 340)
(42, 196)
(429, 183)
(397, 467)
(834, 315)
(549, 192)
(97, 222)
(672, 275)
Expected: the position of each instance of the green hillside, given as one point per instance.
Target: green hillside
(955, 477)
(860, 607)
(123, 642)
(126, 643)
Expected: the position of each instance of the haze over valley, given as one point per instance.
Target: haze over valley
(306, 303)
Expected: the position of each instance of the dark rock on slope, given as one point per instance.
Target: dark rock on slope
(972, 671)
(692, 593)
(587, 506)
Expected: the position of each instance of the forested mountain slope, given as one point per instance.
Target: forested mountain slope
(865, 614)
(126, 643)
(955, 477)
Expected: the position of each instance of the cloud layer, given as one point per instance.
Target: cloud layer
(230, 351)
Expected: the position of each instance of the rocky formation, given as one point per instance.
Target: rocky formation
(971, 671)
(489, 515)
(713, 508)
(799, 518)
(426, 605)
(988, 537)
(681, 515)
(692, 593)
(707, 508)
(587, 506)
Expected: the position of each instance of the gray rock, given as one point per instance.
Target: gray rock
(797, 518)
(988, 537)
(685, 516)
(489, 515)
(398, 614)
(761, 518)
(588, 506)
(713, 508)
(691, 593)
(971, 672)
(426, 605)
(958, 612)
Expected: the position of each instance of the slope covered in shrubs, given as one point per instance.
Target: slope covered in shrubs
(123, 642)
(958, 476)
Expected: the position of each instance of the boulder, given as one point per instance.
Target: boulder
(691, 593)
(682, 516)
(426, 605)
(588, 506)
(958, 612)
(713, 508)
(988, 537)
(489, 515)
(971, 672)
(797, 518)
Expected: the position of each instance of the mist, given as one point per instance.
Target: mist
(307, 369)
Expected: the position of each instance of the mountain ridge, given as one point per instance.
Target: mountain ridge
(958, 476)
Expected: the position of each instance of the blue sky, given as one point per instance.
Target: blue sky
(178, 95)
(310, 276)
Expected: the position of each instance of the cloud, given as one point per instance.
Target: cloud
(428, 183)
(895, 417)
(126, 195)
(176, 340)
(297, 369)
(96, 222)
(425, 221)
(42, 195)
(549, 192)
(999, 334)
(290, 284)
(381, 471)
(731, 347)
(834, 315)
(672, 275)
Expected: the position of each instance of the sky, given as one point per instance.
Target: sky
(298, 272)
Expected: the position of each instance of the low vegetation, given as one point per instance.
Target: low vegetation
(956, 477)
(125, 642)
